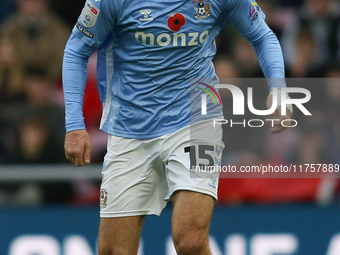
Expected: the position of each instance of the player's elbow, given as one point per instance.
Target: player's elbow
(267, 36)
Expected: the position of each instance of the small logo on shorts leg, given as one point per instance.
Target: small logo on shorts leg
(103, 198)
(213, 182)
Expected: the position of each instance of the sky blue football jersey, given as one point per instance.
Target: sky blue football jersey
(148, 51)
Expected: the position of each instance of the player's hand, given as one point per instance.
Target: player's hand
(278, 128)
(77, 147)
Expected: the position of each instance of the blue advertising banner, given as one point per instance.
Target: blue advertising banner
(247, 230)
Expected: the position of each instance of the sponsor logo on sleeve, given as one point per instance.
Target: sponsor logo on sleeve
(89, 15)
(84, 31)
(254, 12)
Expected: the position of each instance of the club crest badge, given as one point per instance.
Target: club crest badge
(202, 9)
(103, 198)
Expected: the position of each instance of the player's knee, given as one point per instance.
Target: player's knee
(111, 252)
(191, 243)
(105, 249)
(109, 249)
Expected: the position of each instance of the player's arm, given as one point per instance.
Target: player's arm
(249, 19)
(93, 26)
(268, 50)
(77, 142)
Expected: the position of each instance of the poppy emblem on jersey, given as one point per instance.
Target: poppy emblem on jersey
(202, 9)
(103, 198)
(176, 22)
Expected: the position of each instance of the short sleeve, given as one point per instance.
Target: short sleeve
(96, 21)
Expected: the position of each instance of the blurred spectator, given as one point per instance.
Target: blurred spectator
(323, 20)
(246, 59)
(40, 94)
(36, 144)
(40, 122)
(333, 112)
(333, 71)
(7, 141)
(312, 147)
(11, 73)
(7, 7)
(303, 60)
(270, 9)
(38, 36)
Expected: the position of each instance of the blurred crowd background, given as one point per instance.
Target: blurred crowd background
(33, 34)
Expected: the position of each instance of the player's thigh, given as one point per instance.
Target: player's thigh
(186, 149)
(120, 235)
(191, 216)
(131, 184)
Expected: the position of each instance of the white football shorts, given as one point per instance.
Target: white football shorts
(139, 176)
